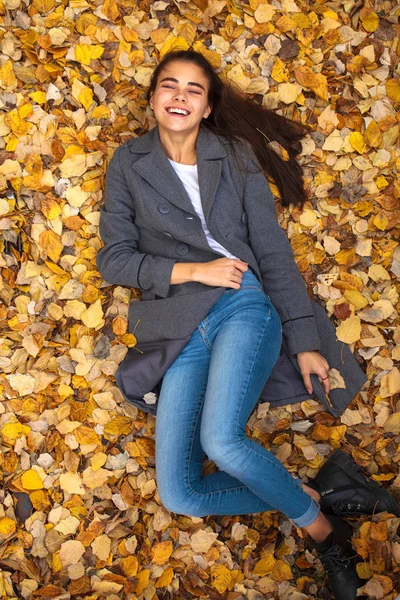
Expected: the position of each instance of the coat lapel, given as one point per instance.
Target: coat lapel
(156, 169)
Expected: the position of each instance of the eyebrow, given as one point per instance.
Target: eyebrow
(176, 81)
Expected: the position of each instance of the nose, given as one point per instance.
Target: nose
(180, 96)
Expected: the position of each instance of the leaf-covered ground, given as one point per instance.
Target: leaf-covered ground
(80, 516)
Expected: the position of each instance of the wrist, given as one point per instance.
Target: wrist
(195, 271)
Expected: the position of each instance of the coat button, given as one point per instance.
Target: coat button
(163, 209)
(168, 235)
(182, 249)
(244, 218)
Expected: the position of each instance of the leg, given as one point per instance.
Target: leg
(244, 351)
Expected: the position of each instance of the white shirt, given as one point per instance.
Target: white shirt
(189, 176)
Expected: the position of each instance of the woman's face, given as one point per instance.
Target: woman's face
(180, 85)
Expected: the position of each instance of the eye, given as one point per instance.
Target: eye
(198, 93)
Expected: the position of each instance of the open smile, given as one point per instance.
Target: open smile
(177, 114)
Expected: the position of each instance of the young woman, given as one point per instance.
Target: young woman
(188, 221)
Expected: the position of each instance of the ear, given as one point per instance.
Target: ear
(207, 112)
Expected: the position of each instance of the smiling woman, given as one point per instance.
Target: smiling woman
(190, 220)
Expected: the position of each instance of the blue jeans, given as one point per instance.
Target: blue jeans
(206, 398)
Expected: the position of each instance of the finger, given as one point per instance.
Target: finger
(326, 383)
(307, 383)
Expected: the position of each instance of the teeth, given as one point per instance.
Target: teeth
(177, 110)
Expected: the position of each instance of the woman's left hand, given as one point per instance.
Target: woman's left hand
(313, 362)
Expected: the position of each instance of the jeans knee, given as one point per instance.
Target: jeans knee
(223, 452)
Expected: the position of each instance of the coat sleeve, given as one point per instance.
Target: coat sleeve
(281, 278)
(119, 261)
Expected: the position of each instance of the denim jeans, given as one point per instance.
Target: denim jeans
(206, 398)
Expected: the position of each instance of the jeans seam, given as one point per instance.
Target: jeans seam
(251, 371)
(203, 333)
(190, 456)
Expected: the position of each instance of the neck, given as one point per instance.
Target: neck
(179, 146)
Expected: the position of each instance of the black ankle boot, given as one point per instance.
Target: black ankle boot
(346, 491)
(337, 557)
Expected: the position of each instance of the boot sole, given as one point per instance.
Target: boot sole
(346, 463)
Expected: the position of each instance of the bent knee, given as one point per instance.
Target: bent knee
(224, 452)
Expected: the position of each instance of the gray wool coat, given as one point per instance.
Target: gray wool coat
(148, 224)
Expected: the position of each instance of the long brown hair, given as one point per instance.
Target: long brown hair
(236, 117)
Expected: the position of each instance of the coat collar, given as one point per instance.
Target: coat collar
(155, 167)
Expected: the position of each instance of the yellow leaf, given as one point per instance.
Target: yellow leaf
(349, 331)
(84, 53)
(161, 552)
(390, 385)
(51, 244)
(355, 298)
(40, 499)
(264, 566)
(165, 578)
(98, 460)
(86, 97)
(16, 123)
(383, 477)
(141, 581)
(118, 426)
(370, 22)
(174, 43)
(39, 97)
(43, 6)
(110, 10)
(282, 571)
(130, 566)
(74, 166)
(8, 81)
(86, 435)
(50, 208)
(317, 82)
(93, 479)
(11, 432)
(357, 141)
(101, 112)
(213, 57)
(381, 221)
(264, 12)
(220, 578)
(71, 483)
(31, 481)
(393, 89)
(280, 71)
(93, 316)
(373, 135)
(7, 526)
(364, 570)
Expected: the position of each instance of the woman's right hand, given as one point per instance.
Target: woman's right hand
(224, 272)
